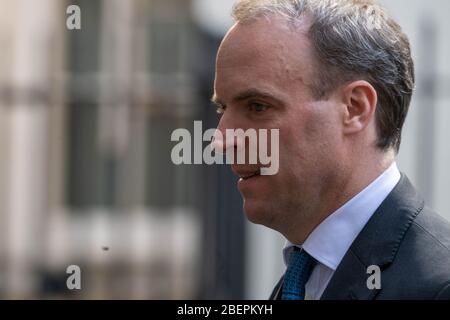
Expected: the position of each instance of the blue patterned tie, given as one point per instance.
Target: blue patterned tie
(297, 274)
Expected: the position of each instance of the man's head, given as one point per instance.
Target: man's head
(336, 78)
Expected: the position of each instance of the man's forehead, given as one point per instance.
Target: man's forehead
(264, 52)
(256, 37)
(264, 42)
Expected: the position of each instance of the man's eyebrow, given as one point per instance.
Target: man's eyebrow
(255, 93)
(247, 94)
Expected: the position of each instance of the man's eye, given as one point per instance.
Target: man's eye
(258, 107)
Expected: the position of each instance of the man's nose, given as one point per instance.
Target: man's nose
(221, 144)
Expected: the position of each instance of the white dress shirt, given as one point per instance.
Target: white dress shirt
(330, 240)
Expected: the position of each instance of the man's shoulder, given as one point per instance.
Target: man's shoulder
(421, 268)
(409, 242)
(433, 226)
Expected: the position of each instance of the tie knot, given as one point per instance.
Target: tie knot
(297, 274)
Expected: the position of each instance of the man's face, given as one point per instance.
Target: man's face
(263, 75)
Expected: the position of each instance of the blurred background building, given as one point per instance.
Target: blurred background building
(85, 171)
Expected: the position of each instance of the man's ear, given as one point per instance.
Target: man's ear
(360, 99)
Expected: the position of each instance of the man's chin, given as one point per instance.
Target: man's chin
(257, 212)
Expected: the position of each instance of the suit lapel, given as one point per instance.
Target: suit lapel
(276, 293)
(349, 281)
(377, 244)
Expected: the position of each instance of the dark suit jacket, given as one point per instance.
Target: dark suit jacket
(408, 241)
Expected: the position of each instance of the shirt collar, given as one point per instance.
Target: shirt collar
(329, 241)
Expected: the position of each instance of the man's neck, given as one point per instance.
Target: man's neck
(357, 179)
